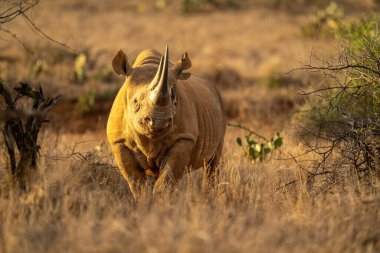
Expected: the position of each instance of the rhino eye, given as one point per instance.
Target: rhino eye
(135, 105)
(173, 92)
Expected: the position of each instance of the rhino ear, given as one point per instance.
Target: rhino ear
(120, 64)
(183, 64)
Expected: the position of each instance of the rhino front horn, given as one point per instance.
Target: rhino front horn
(156, 78)
(160, 93)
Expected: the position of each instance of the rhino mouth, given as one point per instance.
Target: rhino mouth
(158, 133)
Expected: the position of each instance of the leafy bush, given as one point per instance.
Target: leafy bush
(342, 125)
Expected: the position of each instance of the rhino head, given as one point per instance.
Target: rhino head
(151, 92)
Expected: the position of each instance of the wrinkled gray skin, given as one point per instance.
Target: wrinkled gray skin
(163, 122)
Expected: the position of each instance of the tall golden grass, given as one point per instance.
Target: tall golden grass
(80, 203)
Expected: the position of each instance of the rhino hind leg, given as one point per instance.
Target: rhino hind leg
(211, 170)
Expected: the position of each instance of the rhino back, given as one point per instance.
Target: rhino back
(147, 57)
(206, 119)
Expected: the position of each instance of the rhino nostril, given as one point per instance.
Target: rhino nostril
(148, 121)
(168, 122)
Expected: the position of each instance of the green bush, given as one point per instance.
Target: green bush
(342, 124)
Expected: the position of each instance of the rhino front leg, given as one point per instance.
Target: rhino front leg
(129, 167)
(176, 162)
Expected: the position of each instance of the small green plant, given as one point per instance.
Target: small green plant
(273, 80)
(255, 150)
(104, 74)
(160, 4)
(36, 68)
(86, 102)
(79, 68)
(207, 5)
(258, 151)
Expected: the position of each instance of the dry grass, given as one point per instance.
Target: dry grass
(79, 203)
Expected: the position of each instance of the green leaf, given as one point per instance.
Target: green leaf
(253, 153)
(258, 147)
(248, 138)
(261, 151)
(278, 141)
(266, 151)
(239, 141)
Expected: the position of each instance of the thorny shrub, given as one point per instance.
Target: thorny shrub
(341, 123)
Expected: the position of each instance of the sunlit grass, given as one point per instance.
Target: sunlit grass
(82, 204)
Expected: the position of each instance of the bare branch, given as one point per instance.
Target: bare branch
(6, 17)
(335, 68)
(20, 9)
(17, 39)
(35, 27)
(248, 130)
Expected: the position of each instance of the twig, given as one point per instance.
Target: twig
(335, 68)
(17, 39)
(6, 18)
(314, 39)
(286, 184)
(28, 20)
(248, 130)
(304, 93)
(10, 14)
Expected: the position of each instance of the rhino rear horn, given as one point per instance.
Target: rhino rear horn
(183, 64)
(121, 65)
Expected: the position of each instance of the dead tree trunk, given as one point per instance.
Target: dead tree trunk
(21, 129)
